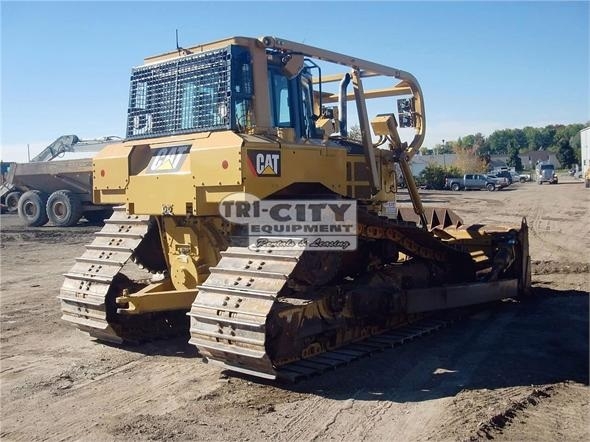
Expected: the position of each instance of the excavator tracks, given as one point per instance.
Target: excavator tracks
(87, 294)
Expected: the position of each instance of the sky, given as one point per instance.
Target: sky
(483, 66)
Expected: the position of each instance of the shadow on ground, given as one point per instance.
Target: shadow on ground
(541, 340)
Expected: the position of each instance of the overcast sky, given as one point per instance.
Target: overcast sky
(482, 66)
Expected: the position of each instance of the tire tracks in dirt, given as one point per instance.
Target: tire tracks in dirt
(539, 413)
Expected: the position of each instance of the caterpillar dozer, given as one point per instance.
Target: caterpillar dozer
(244, 123)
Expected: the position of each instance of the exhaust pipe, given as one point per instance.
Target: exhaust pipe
(342, 111)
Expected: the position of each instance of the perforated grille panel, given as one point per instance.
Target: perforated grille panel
(189, 94)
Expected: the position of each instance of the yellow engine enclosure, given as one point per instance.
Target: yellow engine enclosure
(190, 175)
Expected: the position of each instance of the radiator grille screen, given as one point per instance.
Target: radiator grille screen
(189, 94)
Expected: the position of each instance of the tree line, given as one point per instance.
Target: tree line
(563, 140)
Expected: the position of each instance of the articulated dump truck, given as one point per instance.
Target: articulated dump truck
(47, 189)
(248, 124)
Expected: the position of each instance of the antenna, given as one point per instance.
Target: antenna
(180, 49)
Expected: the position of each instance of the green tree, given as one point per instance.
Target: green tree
(467, 141)
(525, 139)
(499, 141)
(519, 138)
(548, 137)
(476, 143)
(576, 144)
(565, 153)
(571, 132)
(434, 175)
(447, 147)
(533, 137)
(480, 143)
(513, 158)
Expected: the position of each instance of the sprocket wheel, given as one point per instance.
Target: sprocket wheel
(317, 269)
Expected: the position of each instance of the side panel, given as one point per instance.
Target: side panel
(192, 174)
(174, 175)
(111, 174)
(187, 176)
(272, 167)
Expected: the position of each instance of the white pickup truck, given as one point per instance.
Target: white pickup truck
(524, 177)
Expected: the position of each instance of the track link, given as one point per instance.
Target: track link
(228, 317)
(331, 360)
(84, 292)
(230, 313)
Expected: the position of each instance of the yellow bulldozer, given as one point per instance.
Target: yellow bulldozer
(272, 234)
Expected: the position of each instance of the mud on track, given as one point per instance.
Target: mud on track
(515, 371)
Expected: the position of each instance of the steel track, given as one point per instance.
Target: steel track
(317, 365)
(89, 285)
(230, 314)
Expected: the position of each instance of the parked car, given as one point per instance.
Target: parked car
(499, 181)
(505, 173)
(470, 181)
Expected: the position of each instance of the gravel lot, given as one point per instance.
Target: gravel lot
(516, 371)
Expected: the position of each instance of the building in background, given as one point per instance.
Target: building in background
(420, 162)
(585, 143)
(532, 158)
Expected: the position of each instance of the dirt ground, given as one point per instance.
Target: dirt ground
(516, 371)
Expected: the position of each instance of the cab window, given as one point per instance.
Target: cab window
(281, 112)
(307, 104)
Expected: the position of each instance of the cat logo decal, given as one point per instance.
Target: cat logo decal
(168, 159)
(265, 163)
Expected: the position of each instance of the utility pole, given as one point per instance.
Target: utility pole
(28, 153)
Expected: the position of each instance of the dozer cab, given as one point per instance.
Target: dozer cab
(244, 121)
